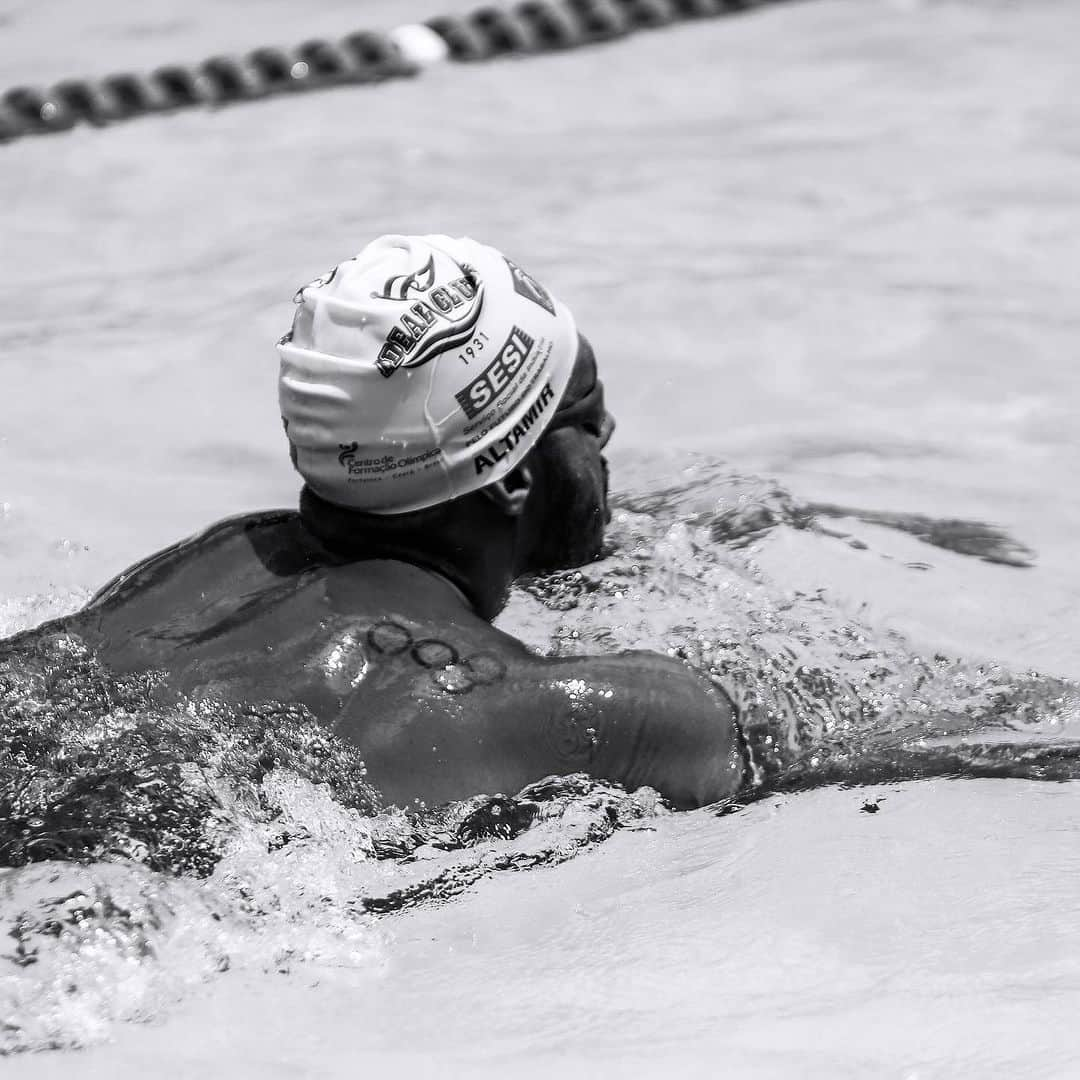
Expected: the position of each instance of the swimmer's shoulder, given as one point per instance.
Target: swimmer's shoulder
(471, 709)
(262, 545)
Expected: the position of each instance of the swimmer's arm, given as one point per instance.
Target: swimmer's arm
(636, 719)
(640, 719)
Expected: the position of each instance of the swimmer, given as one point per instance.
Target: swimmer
(446, 418)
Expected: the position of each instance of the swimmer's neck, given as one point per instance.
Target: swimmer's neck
(445, 579)
(480, 586)
(475, 554)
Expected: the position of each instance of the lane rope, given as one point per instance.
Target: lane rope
(529, 28)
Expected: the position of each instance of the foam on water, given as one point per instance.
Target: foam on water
(152, 843)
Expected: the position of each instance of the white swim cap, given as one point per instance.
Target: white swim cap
(422, 369)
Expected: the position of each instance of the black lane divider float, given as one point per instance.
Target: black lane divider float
(534, 26)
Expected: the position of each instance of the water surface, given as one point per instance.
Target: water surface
(827, 256)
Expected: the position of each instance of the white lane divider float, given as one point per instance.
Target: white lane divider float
(420, 44)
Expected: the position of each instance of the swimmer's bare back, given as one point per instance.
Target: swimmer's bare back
(440, 704)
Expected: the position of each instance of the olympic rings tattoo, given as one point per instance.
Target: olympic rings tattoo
(449, 670)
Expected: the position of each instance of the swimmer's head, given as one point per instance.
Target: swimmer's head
(568, 504)
(442, 408)
(421, 370)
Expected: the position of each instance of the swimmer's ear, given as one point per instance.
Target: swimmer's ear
(511, 492)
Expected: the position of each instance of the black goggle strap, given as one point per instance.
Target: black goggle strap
(588, 407)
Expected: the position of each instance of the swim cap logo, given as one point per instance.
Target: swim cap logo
(399, 287)
(348, 452)
(498, 450)
(444, 298)
(526, 285)
(496, 377)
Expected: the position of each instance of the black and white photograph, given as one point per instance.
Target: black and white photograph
(539, 539)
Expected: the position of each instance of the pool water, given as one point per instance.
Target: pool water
(825, 253)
